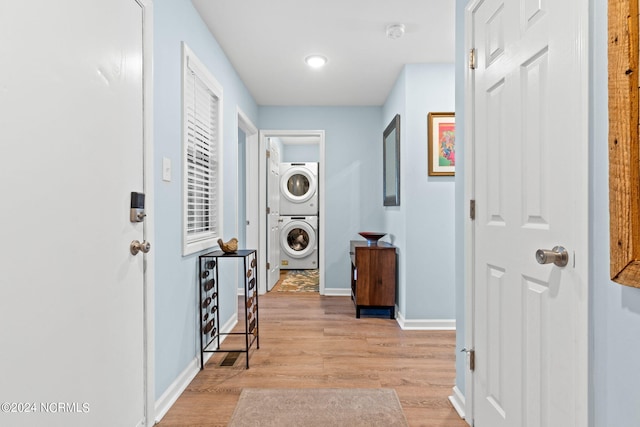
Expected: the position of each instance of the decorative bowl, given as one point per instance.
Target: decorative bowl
(372, 237)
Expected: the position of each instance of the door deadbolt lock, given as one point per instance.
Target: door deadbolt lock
(558, 256)
(137, 246)
(137, 213)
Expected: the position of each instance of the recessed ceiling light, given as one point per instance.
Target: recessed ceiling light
(315, 61)
(395, 31)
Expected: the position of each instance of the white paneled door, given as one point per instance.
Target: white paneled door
(71, 292)
(273, 216)
(528, 133)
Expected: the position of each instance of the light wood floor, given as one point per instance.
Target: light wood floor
(307, 340)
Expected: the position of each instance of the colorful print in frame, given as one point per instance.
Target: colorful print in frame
(442, 144)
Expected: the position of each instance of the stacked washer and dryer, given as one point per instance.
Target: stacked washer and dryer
(298, 216)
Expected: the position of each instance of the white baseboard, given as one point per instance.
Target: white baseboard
(418, 324)
(169, 397)
(425, 324)
(337, 292)
(458, 402)
(173, 392)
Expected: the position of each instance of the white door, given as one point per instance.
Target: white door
(528, 127)
(71, 293)
(273, 217)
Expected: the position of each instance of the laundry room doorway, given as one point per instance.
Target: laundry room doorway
(296, 244)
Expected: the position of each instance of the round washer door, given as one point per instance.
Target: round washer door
(298, 184)
(298, 239)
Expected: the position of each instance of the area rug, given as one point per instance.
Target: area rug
(299, 281)
(311, 407)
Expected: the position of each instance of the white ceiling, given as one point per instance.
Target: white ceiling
(267, 41)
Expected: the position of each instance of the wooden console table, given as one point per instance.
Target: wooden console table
(373, 276)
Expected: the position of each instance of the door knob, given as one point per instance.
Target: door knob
(558, 256)
(137, 246)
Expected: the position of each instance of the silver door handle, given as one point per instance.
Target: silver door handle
(558, 256)
(137, 246)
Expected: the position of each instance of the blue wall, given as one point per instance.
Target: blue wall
(394, 216)
(614, 317)
(353, 160)
(300, 153)
(176, 338)
(422, 226)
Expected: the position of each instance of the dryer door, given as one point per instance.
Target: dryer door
(298, 239)
(298, 184)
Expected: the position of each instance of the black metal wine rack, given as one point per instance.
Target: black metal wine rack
(209, 314)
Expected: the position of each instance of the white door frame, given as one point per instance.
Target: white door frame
(469, 229)
(251, 179)
(262, 265)
(149, 230)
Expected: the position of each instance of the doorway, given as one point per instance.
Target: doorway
(248, 182)
(295, 147)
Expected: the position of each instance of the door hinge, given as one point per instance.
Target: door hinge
(472, 58)
(472, 358)
(268, 210)
(268, 266)
(472, 209)
(268, 154)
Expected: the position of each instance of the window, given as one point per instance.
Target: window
(202, 155)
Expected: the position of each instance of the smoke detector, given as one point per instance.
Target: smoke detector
(395, 31)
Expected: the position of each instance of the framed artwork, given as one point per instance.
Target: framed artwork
(442, 144)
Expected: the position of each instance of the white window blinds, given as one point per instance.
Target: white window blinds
(202, 139)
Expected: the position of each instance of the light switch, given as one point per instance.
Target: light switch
(166, 169)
